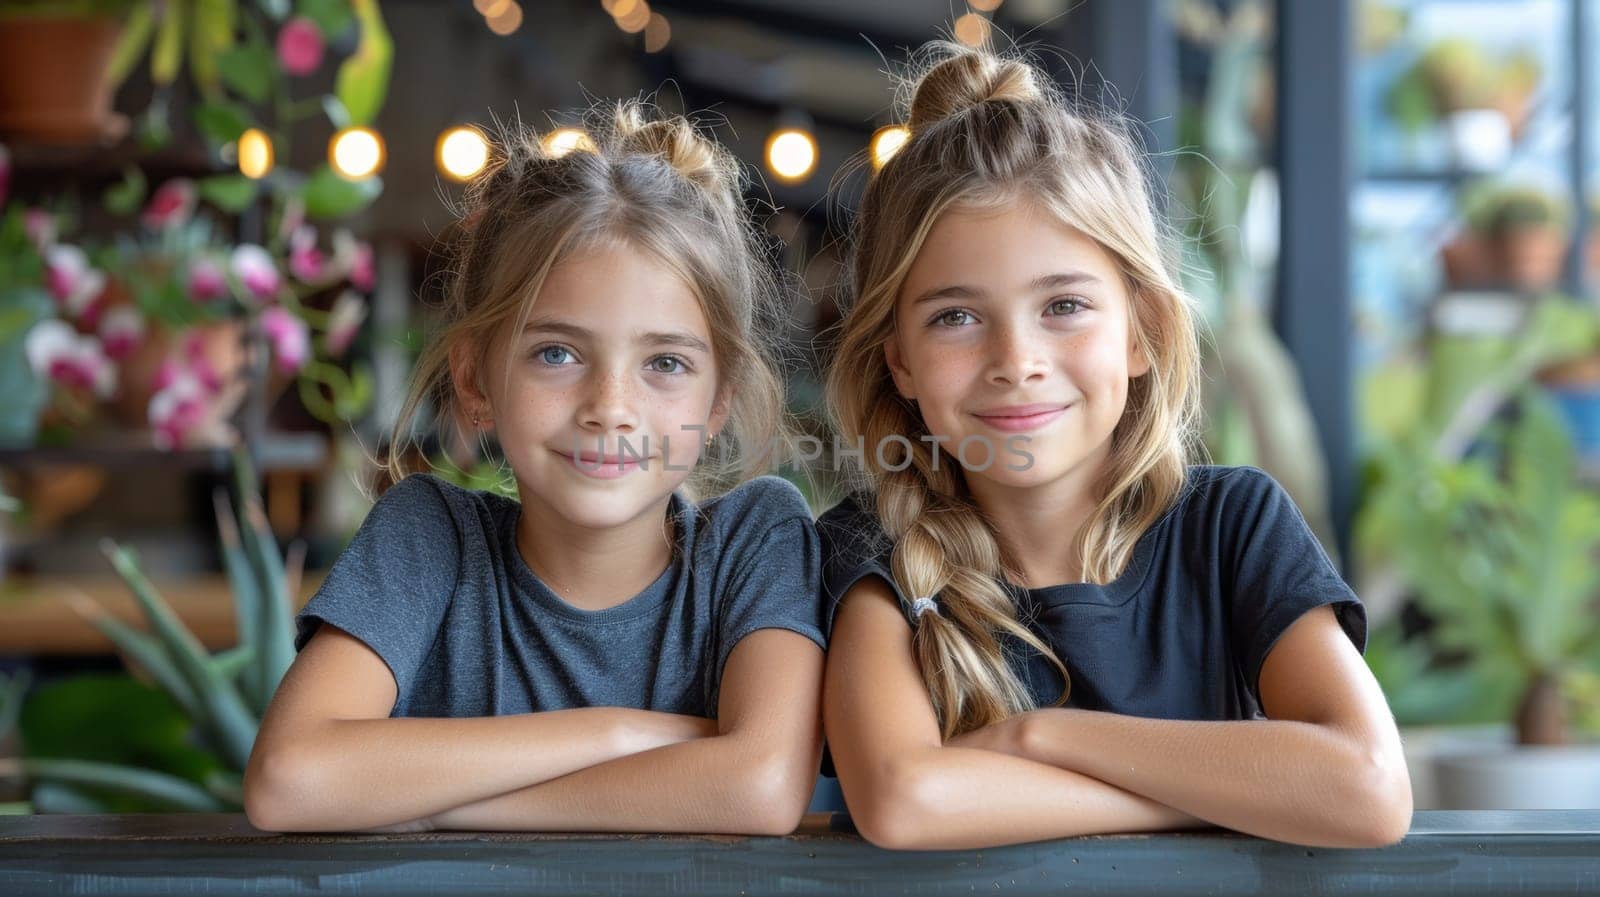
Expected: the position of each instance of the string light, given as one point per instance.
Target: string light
(255, 154)
(356, 153)
(564, 140)
(792, 154)
(886, 141)
(462, 153)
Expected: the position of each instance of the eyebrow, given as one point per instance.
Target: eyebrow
(1040, 283)
(652, 338)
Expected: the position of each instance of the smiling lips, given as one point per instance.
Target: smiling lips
(1020, 418)
(603, 467)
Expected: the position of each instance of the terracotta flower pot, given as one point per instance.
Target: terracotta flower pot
(1530, 258)
(54, 79)
(220, 343)
(1468, 262)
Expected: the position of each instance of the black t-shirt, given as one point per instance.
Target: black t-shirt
(1182, 633)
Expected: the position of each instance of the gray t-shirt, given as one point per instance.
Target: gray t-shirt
(433, 583)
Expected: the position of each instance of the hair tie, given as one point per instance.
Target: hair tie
(923, 605)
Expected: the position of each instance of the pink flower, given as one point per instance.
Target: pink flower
(306, 262)
(69, 358)
(294, 215)
(184, 413)
(70, 280)
(40, 226)
(300, 46)
(256, 270)
(289, 336)
(121, 330)
(354, 257)
(199, 365)
(166, 374)
(344, 322)
(171, 206)
(207, 280)
(362, 275)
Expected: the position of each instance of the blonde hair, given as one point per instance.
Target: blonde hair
(986, 131)
(657, 186)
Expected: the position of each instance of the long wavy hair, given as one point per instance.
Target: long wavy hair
(987, 131)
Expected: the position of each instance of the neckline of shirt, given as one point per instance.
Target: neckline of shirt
(648, 600)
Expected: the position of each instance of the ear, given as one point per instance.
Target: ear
(471, 401)
(720, 410)
(897, 369)
(1138, 362)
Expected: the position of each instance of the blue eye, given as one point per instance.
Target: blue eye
(544, 354)
(944, 319)
(1077, 306)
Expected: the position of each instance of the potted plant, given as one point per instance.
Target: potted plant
(56, 59)
(1483, 101)
(1515, 236)
(1476, 502)
(177, 736)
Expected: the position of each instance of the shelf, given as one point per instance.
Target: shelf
(36, 617)
(133, 450)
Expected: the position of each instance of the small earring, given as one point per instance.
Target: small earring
(709, 439)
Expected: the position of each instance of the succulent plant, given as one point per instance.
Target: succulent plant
(220, 696)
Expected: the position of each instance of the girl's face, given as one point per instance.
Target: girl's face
(1013, 326)
(615, 363)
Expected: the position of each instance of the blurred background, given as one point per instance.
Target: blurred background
(218, 257)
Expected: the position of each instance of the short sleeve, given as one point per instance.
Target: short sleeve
(1280, 571)
(773, 579)
(854, 547)
(392, 584)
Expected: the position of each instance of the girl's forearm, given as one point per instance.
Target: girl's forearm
(723, 784)
(1280, 779)
(948, 798)
(367, 773)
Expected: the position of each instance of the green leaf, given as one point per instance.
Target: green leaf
(146, 651)
(135, 37)
(154, 130)
(332, 16)
(222, 122)
(54, 797)
(232, 193)
(329, 196)
(210, 37)
(227, 720)
(338, 116)
(125, 197)
(234, 661)
(159, 789)
(113, 719)
(275, 626)
(168, 53)
(363, 78)
(25, 392)
(246, 591)
(248, 71)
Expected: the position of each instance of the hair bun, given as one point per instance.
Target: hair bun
(675, 140)
(967, 79)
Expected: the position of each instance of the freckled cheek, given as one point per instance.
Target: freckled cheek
(947, 374)
(669, 423)
(1099, 368)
